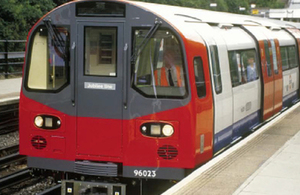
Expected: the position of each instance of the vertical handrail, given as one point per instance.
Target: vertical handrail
(73, 81)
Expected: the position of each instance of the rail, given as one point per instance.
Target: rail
(10, 159)
(9, 117)
(9, 150)
(15, 178)
(54, 190)
(11, 61)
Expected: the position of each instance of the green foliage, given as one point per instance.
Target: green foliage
(18, 16)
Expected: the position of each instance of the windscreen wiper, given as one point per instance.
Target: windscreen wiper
(58, 40)
(146, 39)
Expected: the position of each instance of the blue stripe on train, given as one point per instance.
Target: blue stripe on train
(288, 100)
(226, 136)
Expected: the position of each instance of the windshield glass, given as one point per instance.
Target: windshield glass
(48, 61)
(158, 67)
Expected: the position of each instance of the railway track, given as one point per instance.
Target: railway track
(54, 190)
(9, 150)
(12, 158)
(14, 179)
(9, 117)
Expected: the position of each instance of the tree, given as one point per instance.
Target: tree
(18, 16)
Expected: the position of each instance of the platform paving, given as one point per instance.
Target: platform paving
(10, 89)
(279, 175)
(267, 164)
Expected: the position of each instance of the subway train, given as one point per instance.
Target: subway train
(116, 92)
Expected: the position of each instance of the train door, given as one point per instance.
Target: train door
(277, 71)
(271, 72)
(221, 85)
(99, 89)
(222, 95)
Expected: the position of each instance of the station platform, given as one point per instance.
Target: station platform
(267, 162)
(10, 89)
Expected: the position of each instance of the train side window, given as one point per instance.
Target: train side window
(288, 57)
(243, 66)
(284, 58)
(216, 68)
(49, 60)
(100, 51)
(199, 77)
(275, 64)
(268, 58)
(292, 57)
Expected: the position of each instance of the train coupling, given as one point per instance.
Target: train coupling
(72, 187)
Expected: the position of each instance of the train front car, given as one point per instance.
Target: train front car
(107, 92)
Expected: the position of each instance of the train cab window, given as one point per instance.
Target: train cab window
(216, 68)
(243, 66)
(199, 77)
(268, 58)
(288, 57)
(49, 59)
(100, 51)
(274, 54)
(158, 69)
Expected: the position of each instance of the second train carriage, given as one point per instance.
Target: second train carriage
(97, 99)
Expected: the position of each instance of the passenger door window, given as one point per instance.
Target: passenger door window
(275, 64)
(268, 58)
(216, 68)
(199, 77)
(243, 66)
(100, 51)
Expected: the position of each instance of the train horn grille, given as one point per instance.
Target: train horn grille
(39, 142)
(98, 169)
(167, 152)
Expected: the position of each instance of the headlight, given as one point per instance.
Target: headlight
(47, 122)
(168, 130)
(157, 129)
(39, 121)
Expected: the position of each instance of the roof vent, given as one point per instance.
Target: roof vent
(190, 17)
(275, 28)
(225, 26)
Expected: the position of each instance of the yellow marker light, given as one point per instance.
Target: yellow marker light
(39, 121)
(48, 122)
(155, 130)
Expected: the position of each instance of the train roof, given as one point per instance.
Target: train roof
(176, 14)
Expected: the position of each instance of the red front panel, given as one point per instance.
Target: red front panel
(139, 150)
(58, 144)
(99, 137)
